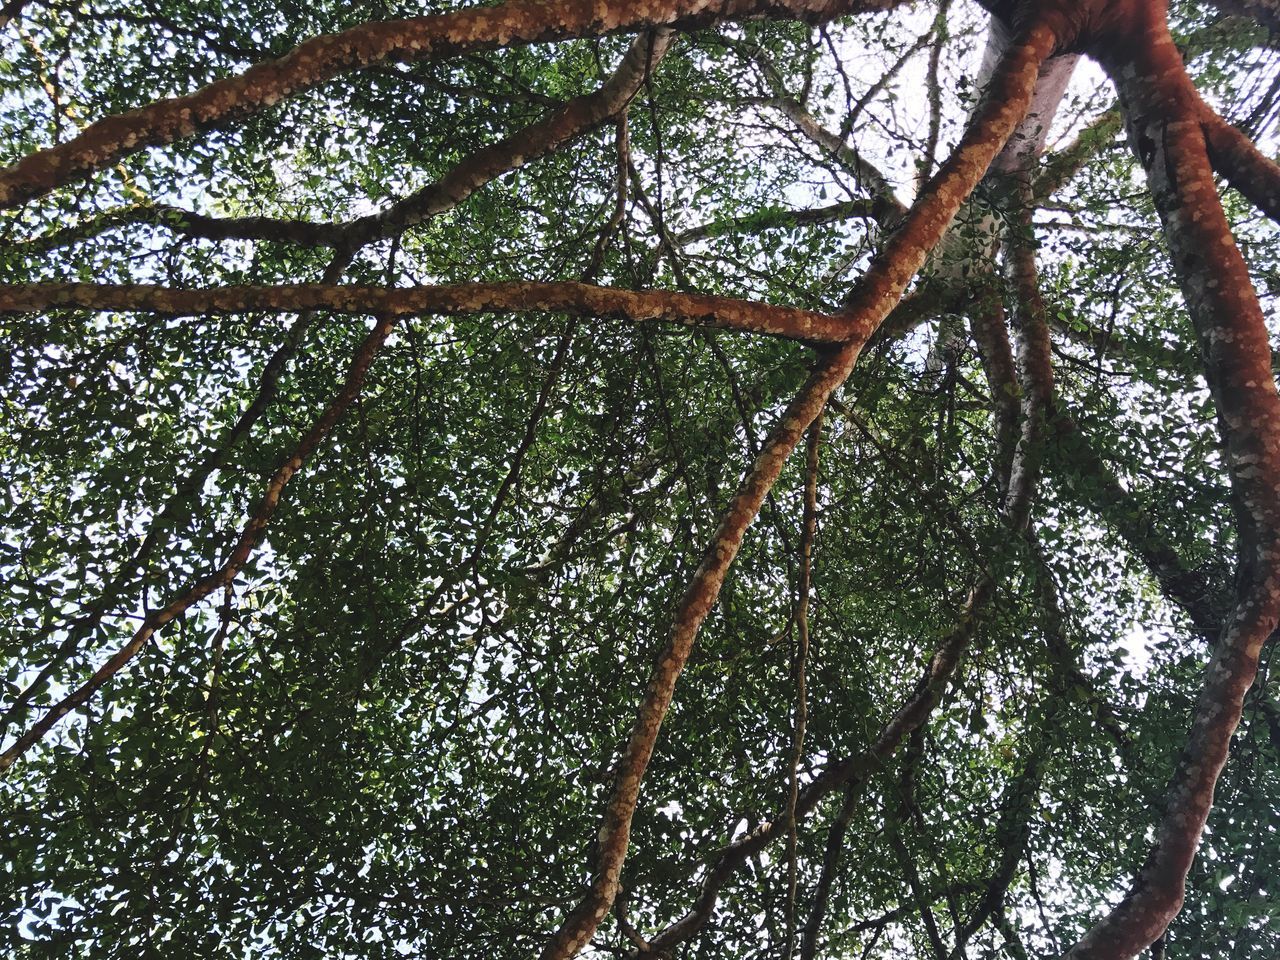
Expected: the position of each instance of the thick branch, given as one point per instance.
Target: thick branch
(515, 23)
(567, 122)
(1035, 365)
(988, 324)
(1164, 113)
(579, 299)
(1003, 105)
(1246, 167)
(699, 597)
(875, 296)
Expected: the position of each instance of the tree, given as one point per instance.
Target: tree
(640, 479)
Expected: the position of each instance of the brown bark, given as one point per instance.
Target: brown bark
(1035, 366)
(1002, 108)
(1034, 386)
(515, 23)
(570, 120)
(699, 597)
(579, 299)
(1018, 451)
(1246, 167)
(1163, 113)
(566, 123)
(987, 322)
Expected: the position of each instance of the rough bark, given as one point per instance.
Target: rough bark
(562, 125)
(1004, 105)
(1163, 113)
(1246, 167)
(569, 121)
(1035, 366)
(988, 324)
(579, 299)
(515, 23)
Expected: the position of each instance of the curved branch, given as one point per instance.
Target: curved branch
(1003, 106)
(853, 772)
(1246, 167)
(880, 289)
(182, 499)
(570, 120)
(515, 23)
(700, 596)
(1164, 115)
(567, 122)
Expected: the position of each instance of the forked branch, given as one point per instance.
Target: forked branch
(1163, 114)
(515, 23)
(1004, 104)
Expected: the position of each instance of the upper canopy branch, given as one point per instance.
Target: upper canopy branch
(515, 23)
(581, 299)
(568, 121)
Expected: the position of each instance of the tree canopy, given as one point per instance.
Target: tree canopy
(639, 478)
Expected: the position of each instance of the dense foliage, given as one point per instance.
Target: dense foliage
(393, 733)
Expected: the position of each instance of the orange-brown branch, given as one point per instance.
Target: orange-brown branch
(1004, 104)
(580, 299)
(1246, 167)
(515, 23)
(1164, 115)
